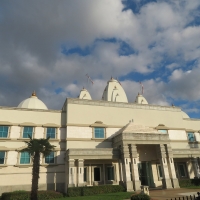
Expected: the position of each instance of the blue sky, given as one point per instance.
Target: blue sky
(49, 46)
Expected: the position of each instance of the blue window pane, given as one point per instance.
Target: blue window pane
(28, 130)
(163, 131)
(191, 137)
(3, 131)
(2, 157)
(50, 158)
(99, 132)
(25, 158)
(51, 132)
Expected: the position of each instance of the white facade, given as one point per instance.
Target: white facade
(109, 141)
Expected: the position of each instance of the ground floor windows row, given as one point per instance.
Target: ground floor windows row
(25, 158)
(99, 173)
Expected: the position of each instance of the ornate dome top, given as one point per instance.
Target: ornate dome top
(140, 99)
(114, 92)
(84, 94)
(33, 103)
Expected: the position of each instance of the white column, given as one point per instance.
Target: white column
(71, 172)
(80, 172)
(135, 174)
(170, 160)
(90, 175)
(166, 181)
(126, 169)
(195, 167)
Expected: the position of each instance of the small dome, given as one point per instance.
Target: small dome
(114, 92)
(33, 103)
(184, 115)
(140, 99)
(84, 94)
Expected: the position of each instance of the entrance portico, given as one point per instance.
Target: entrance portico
(147, 156)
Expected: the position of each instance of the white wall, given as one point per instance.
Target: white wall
(79, 132)
(177, 135)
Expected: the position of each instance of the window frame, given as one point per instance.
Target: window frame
(19, 161)
(190, 132)
(33, 131)
(8, 133)
(56, 133)
(94, 134)
(107, 174)
(163, 131)
(43, 163)
(4, 158)
(185, 170)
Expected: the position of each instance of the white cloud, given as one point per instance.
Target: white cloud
(32, 33)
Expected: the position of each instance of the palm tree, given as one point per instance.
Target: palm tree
(36, 147)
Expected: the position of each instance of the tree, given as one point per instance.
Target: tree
(36, 147)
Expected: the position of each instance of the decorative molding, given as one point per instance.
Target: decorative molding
(5, 123)
(121, 105)
(29, 109)
(51, 125)
(88, 125)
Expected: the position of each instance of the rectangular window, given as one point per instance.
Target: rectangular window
(28, 130)
(51, 132)
(99, 133)
(162, 131)
(191, 137)
(25, 158)
(182, 170)
(85, 174)
(3, 131)
(110, 173)
(50, 158)
(2, 157)
(97, 174)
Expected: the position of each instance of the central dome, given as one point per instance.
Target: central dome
(33, 103)
(114, 92)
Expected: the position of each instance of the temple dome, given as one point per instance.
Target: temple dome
(114, 92)
(84, 94)
(140, 99)
(33, 103)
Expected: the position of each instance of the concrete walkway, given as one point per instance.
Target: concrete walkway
(172, 193)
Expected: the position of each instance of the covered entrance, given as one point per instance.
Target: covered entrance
(146, 174)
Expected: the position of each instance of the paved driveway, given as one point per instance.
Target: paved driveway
(172, 193)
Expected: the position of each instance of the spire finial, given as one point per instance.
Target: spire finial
(34, 93)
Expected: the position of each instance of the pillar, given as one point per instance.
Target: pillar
(195, 167)
(135, 174)
(80, 172)
(71, 173)
(166, 181)
(126, 167)
(174, 180)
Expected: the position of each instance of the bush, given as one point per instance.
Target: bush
(189, 182)
(140, 197)
(24, 195)
(94, 190)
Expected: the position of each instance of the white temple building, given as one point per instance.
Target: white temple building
(107, 141)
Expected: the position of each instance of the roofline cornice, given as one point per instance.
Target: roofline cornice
(121, 104)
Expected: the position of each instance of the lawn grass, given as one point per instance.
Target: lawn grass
(109, 196)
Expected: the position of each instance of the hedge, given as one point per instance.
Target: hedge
(25, 195)
(87, 191)
(189, 182)
(140, 197)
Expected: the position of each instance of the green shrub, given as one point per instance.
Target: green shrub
(88, 191)
(189, 182)
(140, 197)
(24, 195)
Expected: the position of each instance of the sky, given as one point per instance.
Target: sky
(49, 46)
